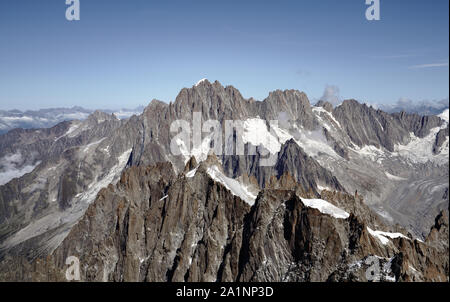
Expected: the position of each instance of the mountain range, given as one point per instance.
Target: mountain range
(350, 186)
(46, 118)
(421, 107)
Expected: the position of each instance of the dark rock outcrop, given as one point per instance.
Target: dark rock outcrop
(441, 137)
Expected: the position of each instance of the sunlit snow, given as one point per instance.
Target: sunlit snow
(384, 236)
(232, 185)
(325, 207)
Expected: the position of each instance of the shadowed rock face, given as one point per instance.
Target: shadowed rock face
(441, 137)
(419, 125)
(291, 159)
(367, 126)
(152, 223)
(307, 172)
(156, 226)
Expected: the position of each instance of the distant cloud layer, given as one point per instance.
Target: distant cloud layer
(46, 118)
(425, 107)
(429, 65)
(13, 166)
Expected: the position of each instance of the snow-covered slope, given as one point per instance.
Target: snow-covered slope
(325, 207)
(231, 184)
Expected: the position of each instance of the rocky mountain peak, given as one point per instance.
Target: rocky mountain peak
(307, 172)
(100, 117)
(156, 109)
(325, 105)
(154, 104)
(348, 103)
(289, 97)
(211, 160)
(202, 82)
(191, 164)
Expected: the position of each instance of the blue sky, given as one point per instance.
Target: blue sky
(123, 53)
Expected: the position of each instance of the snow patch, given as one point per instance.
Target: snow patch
(373, 153)
(325, 207)
(319, 110)
(420, 150)
(191, 173)
(257, 133)
(444, 148)
(445, 115)
(314, 143)
(72, 129)
(89, 146)
(201, 81)
(234, 186)
(321, 188)
(384, 236)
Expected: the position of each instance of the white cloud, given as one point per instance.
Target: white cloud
(13, 166)
(425, 107)
(331, 94)
(429, 65)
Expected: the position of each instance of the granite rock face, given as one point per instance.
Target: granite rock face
(367, 126)
(441, 138)
(291, 159)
